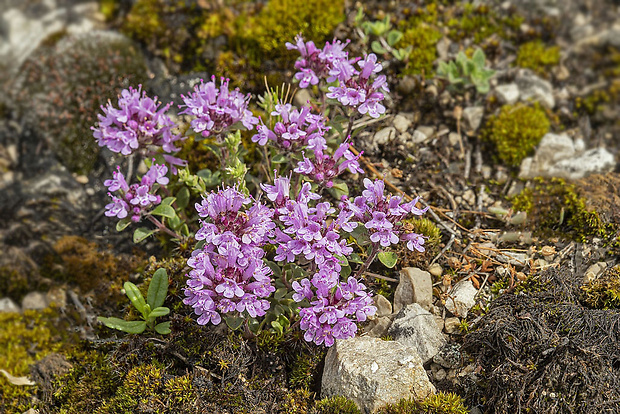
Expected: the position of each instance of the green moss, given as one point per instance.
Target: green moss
(423, 39)
(599, 98)
(555, 205)
(440, 403)
(534, 55)
(281, 20)
(13, 283)
(515, 131)
(337, 405)
(141, 387)
(305, 369)
(604, 292)
(480, 23)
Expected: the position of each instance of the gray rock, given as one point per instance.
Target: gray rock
(593, 161)
(435, 269)
(419, 137)
(373, 373)
(35, 301)
(415, 286)
(594, 272)
(472, 117)
(7, 305)
(449, 356)
(384, 135)
(384, 307)
(507, 94)
(532, 87)
(401, 123)
(416, 327)
(552, 148)
(452, 325)
(461, 298)
(382, 325)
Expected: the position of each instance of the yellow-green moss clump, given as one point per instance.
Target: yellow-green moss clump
(557, 206)
(421, 33)
(481, 22)
(515, 131)
(440, 403)
(534, 55)
(604, 292)
(337, 405)
(281, 20)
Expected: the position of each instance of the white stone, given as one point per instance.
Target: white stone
(416, 327)
(552, 149)
(597, 160)
(7, 305)
(373, 373)
(401, 123)
(384, 135)
(415, 286)
(532, 87)
(461, 298)
(452, 325)
(34, 301)
(384, 306)
(419, 137)
(507, 94)
(594, 272)
(472, 116)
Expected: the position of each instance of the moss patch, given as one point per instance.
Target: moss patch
(440, 403)
(534, 55)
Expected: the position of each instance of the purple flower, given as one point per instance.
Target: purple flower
(136, 124)
(322, 168)
(217, 109)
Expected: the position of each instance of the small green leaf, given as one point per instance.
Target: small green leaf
(168, 201)
(339, 189)
(388, 259)
(183, 197)
(394, 37)
(132, 327)
(355, 258)
(277, 327)
(141, 233)
(279, 159)
(134, 295)
(345, 271)
(377, 47)
(280, 293)
(185, 230)
(284, 321)
(123, 223)
(342, 259)
(277, 271)
(478, 58)
(233, 322)
(158, 289)
(163, 328)
(164, 211)
(175, 222)
(157, 312)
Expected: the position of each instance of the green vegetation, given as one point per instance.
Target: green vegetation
(604, 292)
(464, 72)
(534, 55)
(421, 34)
(337, 405)
(515, 131)
(440, 403)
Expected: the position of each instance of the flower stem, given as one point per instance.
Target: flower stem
(161, 227)
(371, 257)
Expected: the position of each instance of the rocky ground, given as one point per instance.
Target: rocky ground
(512, 308)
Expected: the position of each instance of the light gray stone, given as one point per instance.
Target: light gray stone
(419, 137)
(532, 87)
(382, 325)
(416, 327)
(373, 373)
(507, 94)
(415, 286)
(7, 305)
(593, 161)
(594, 272)
(384, 306)
(35, 301)
(452, 325)
(472, 117)
(401, 123)
(552, 149)
(461, 298)
(383, 136)
(435, 270)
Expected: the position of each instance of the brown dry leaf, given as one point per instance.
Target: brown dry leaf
(396, 173)
(454, 263)
(486, 266)
(17, 380)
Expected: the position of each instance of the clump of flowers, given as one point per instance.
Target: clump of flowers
(228, 274)
(136, 124)
(217, 109)
(136, 199)
(322, 168)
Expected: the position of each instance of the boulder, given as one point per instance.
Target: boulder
(415, 327)
(415, 286)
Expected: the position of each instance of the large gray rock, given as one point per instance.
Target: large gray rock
(415, 286)
(531, 87)
(373, 373)
(416, 327)
(461, 298)
(597, 160)
(552, 148)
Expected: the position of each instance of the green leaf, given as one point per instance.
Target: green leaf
(157, 312)
(355, 258)
(342, 259)
(163, 328)
(132, 327)
(134, 295)
(478, 58)
(168, 201)
(233, 322)
(183, 198)
(141, 233)
(394, 37)
(280, 293)
(339, 189)
(377, 47)
(279, 159)
(158, 289)
(277, 327)
(123, 223)
(275, 268)
(185, 230)
(345, 271)
(360, 234)
(164, 211)
(388, 259)
(284, 321)
(175, 222)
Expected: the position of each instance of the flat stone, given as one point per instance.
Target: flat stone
(373, 373)
(461, 298)
(598, 160)
(384, 306)
(594, 272)
(401, 123)
(507, 94)
(415, 286)
(34, 301)
(384, 135)
(532, 87)
(472, 117)
(415, 327)
(7, 305)
(552, 149)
